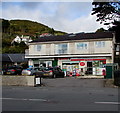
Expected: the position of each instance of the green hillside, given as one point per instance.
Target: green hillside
(12, 28)
(33, 28)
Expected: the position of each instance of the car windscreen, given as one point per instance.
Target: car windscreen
(47, 69)
(14, 67)
(28, 69)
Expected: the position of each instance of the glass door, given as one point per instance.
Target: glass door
(89, 68)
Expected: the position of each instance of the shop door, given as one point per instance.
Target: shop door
(89, 68)
(108, 71)
(54, 63)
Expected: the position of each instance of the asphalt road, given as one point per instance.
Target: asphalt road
(61, 94)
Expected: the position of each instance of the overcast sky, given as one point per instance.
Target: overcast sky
(70, 17)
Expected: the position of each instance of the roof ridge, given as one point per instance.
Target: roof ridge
(10, 57)
(80, 36)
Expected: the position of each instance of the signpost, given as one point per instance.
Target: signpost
(38, 78)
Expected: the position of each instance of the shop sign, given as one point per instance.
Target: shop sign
(82, 63)
(86, 59)
(63, 58)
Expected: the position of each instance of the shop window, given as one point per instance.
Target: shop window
(81, 46)
(36, 65)
(61, 48)
(38, 47)
(100, 44)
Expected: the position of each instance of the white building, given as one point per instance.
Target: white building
(17, 39)
(83, 51)
(25, 39)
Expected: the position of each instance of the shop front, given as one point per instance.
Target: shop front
(83, 66)
(40, 62)
(76, 66)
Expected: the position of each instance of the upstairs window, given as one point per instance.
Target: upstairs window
(81, 45)
(118, 48)
(99, 44)
(38, 47)
(61, 48)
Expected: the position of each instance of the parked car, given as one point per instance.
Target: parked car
(53, 72)
(30, 71)
(13, 70)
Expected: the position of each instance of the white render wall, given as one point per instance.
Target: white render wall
(107, 49)
(48, 48)
(32, 50)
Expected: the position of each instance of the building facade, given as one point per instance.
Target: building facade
(82, 52)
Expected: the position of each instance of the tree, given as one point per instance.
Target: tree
(5, 25)
(6, 42)
(109, 14)
(51, 31)
(100, 30)
(106, 11)
(116, 28)
(15, 43)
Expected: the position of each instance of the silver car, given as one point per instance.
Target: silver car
(30, 71)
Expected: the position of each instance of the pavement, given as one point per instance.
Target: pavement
(91, 76)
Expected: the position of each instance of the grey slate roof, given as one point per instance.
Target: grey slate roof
(5, 58)
(77, 36)
(13, 58)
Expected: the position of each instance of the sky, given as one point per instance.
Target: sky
(70, 17)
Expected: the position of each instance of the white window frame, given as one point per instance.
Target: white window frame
(81, 45)
(100, 44)
(38, 47)
(60, 50)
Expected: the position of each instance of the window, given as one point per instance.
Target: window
(118, 48)
(81, 45)
(61, 48)
(100, 44)
(38, 47)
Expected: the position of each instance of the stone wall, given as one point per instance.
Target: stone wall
(18, 80)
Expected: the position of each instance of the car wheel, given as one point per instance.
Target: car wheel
(33, 74)
(54, 76)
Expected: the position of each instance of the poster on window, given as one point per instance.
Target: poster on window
(38, 80)
(97, 71)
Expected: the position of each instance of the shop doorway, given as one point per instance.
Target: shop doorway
(89, 68)
(43, 64)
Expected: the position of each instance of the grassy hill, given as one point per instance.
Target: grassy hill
(30, 27)
(12, 28)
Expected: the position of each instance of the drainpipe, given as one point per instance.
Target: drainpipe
(113, 54)
(113, 48)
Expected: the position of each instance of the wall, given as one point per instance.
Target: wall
(48, 49)
(106, 49)
(32, 50)
(18, 80)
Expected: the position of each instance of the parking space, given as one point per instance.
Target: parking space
(73, 82)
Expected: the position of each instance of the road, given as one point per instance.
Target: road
(61, 94)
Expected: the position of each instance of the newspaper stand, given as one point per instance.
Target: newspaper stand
(38, 77)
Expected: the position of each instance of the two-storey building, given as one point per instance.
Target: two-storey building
(81, 51)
